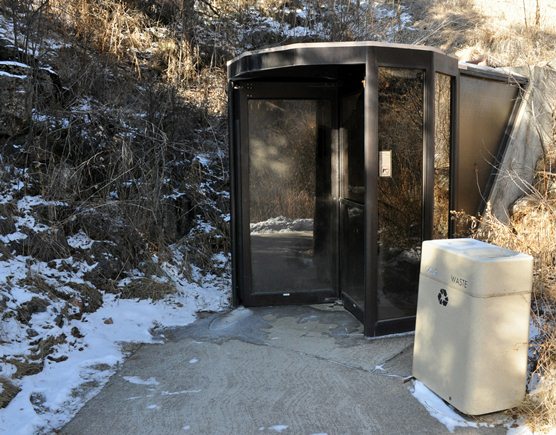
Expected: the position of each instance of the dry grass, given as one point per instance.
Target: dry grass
(532, 229)
(7, 391)
(539, 406)
(493, 32)
(24, 367)
(516, 45)
(107, 25)
(127, 32)
(146, 288)
(516, 32)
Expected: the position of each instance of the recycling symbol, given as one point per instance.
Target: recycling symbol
(443, 297)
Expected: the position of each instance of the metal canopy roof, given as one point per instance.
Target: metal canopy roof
(279, 59)
(317, 53)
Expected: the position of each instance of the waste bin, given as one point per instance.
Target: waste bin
(472, 326)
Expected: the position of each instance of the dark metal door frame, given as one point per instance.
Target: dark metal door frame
(431, 63)
(242, 273)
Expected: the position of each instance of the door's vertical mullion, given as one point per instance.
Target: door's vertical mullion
(339, 193)
(234, 145)
(371, 194)
(244, 201)
(454, 152)
(335, 165)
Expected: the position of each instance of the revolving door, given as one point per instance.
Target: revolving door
(342, 164)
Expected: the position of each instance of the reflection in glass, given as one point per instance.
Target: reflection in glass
(352, 260)
(400, 131)
(352, 209)
(442, 141)
(353, 155)
(289, 189)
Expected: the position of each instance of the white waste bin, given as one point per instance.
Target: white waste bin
(472, 327)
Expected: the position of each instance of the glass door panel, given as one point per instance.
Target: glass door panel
(352, 259)
(400, 190)
(291, 212)
(353, 146)
(352, 200)
(442, 153)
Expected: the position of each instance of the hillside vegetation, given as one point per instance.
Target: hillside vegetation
(113, 132)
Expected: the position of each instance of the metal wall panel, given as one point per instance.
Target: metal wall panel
(485, 111)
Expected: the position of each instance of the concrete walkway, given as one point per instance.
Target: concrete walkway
(294, 370)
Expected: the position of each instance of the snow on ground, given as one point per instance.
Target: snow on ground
(522, 429)
(47, 400)
(279, 428)
(438, 409)
(80, 240)
(445, 414)
(50, 398)
(33, 48)
(138, 381)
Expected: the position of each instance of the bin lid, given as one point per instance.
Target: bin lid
(477, 268)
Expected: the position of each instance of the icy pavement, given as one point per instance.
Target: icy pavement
(289, 370)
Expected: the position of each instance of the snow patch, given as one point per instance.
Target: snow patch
(13, 63)
(281, 224)
(138, 381)
(12, 237)
(534, 328)
(13, 76)
(27, 202)
(523, 429)
(177, 393)
(438, 409)
(80, 241)
(308, 22)
(278, 428)
(84, 105)
(203, 160)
